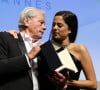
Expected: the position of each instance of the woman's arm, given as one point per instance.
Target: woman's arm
(88, 70)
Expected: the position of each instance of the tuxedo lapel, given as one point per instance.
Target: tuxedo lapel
(23, 50)
(21, 44)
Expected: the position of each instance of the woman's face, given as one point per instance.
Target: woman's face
(60, 28)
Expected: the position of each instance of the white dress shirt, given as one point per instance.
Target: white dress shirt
(29, 45)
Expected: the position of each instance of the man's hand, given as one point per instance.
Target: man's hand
(35, 50)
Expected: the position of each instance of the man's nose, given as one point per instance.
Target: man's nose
(44, 27)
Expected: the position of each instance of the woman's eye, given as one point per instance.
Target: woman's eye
(59, 25)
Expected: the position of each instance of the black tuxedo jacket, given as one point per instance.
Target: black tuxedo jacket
(14, 69)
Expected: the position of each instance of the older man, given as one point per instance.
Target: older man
(18, 62)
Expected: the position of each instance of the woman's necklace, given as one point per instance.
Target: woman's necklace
(60, 45)
(65, 45)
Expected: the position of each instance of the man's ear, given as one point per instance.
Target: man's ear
(26, 21)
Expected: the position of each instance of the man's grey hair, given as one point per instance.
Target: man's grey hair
(28, 12)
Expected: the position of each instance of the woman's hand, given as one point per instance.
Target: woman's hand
(14, 33)
(59, 79)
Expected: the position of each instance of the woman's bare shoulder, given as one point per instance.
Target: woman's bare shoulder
(78, 47)
(77, 50)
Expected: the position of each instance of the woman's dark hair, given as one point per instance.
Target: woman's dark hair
(71, 20)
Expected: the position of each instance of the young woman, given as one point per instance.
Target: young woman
(64, 32)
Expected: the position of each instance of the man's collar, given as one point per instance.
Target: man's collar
(25, 37)
(28, 38)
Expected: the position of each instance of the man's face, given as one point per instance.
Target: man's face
(36, 26)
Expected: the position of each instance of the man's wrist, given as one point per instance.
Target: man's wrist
(29, 57)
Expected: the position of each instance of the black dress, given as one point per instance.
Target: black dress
(45, 83)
